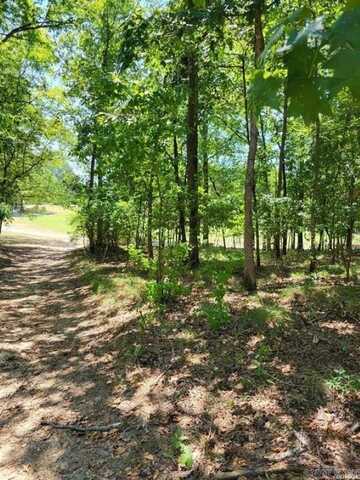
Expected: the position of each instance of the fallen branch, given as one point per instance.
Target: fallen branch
(263, 470)
(254, 472)
(291, 452)
(79, 428)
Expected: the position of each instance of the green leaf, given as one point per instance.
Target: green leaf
(307, 99)
(346, 30)
(312, 30)
(264, 91)
(299, 15)
(346, 66)
(186, 458)
(274, 38)
(352, 4)
(201, 4)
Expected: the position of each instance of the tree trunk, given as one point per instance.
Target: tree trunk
(321, 241)
(223, 238)
(281, 185)
(150, 248)
(249, 264)
(205, 169)
(300, 244)
(180, 195)
(161, 239)
(257, 234)
(293, 239)
(350, 230)
(138, 225)
(192, 160)
(316, 152)
(90, 228)
(100, 224)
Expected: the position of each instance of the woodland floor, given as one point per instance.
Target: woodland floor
(74, 351)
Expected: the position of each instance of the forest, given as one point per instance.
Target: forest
(179, 239)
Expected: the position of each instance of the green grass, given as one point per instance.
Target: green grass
(343, 382)
(52, 219)
(59, 222)
(112, 282)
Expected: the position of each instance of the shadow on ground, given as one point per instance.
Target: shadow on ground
(237, 394)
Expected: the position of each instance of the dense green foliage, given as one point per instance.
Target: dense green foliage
(175, 112)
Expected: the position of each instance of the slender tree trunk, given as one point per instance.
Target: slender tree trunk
(350, 230)
(138, 224)
(90, 229)
(192, 160)
(321, 241)
(293, 239)
(281, 184)
(330, 240)
(223, 238)
(285, 235)
(249, 264)
(100, 223)
(300, 244)
(316, 161)
(205, 169)
(150, 248)
(257, 234)
(180, 195)
(257, 230)
(243, 73)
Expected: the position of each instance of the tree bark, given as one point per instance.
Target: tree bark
(180, 195)
(257, 230)
(150, 248)
(249, 264)
(205, 169)
(316, 153)
(281, 184)
(100, 240)
(350, 229)
(90, 229)
(300, 244)
(192, 160)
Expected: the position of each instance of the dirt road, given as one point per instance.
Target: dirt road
(48, 366)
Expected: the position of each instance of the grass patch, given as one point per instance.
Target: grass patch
(215, 259)
(343, 382)
(112, 281)
(265, 316)
(52, 219)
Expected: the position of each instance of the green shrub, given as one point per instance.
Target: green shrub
(217, 313)
(165, 292)
(176, 260)
(138, 259)
(5, 212)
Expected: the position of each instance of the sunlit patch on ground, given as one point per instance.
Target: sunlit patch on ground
(75, 348)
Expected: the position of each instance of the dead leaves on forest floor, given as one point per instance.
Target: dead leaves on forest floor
(288, 361)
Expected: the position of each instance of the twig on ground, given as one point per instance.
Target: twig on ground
(84, 429)
(254, 472)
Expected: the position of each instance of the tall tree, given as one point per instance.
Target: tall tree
(249, 265)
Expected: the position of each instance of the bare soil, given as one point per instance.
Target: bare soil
(66, 357)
